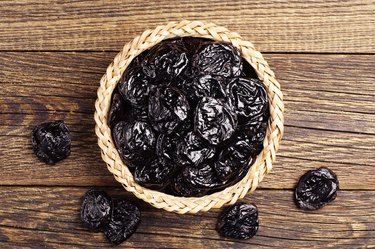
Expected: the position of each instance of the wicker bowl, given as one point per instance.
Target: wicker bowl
(275, 128)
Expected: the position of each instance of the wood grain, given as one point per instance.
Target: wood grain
(274, 26)
(329, 118)
(47, 217)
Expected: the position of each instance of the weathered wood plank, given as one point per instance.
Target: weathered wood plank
(47, 217)
(37, 87)
(277, 26)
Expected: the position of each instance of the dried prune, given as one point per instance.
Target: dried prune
(192, 150)
(154, 175)
(51, 141)
(233, 158)
(124, 221)
(167, 108)
(118, 109)
(135, 142)
(195, 116)
(217, 59)
(181, 187)
(134, 86)
(239, 221)
(316, 188)
(164, 62)
(96, 209)
(214, 120)
(248, 96)
(202, 177)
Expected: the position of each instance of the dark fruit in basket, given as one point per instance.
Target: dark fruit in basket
(193, 150)
(164, 62)
(51, 141)
(135, 141)
(124, 221)
(214, 120)
(195, 116)
(239, 221)
(96, 209)
(167, 108)
(217, 59)
(316, 188)
(248, 96)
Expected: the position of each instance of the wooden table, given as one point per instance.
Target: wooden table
(53, 54)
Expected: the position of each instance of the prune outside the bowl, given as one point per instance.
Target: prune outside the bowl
(248, 96)
(167, 108)
(124, 221)
(316, 188)
(154, 175)
(134, 86)
(96, 209)
(233, 158)
(164, 62)
(193, 150)
(51, 141)
(239, 221)
(135, 142)
(214, 120)
(217, 59)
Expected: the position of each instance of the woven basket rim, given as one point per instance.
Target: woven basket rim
(263, 162)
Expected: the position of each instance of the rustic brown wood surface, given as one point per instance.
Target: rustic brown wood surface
(53, 53)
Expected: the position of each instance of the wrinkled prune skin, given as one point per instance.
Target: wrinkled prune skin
(239, 221)
(124, 221)
(248, 96)
(195, 116)
(181, 187)
(203, 177)
(164, 62)
(134, 86)
(193, 150)
(218, 59)
(167, 108)
(96, 209)
(316, 188)
(118, 110)
(154, 175)
(214, 120)
(135, 142)
(51, 141)
(232, 158)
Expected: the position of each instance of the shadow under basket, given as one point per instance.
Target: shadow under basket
(263, 162)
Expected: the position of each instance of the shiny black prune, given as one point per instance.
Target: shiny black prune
(203, 86)
(154, 175)
(232, 158)
(316, 188)
(51, 141)
(118, 110)
(239, 221)
(124, 221)
(164, 62)
(181, 187)
(167, 108)
(248, 71)
(193, 150)
(217, 59)
(214, 120)
(135, 142)
(134, 86)
(248, 96)
(96, 209)
(202, 177)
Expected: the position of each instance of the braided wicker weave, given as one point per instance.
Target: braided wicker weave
(263, 163)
